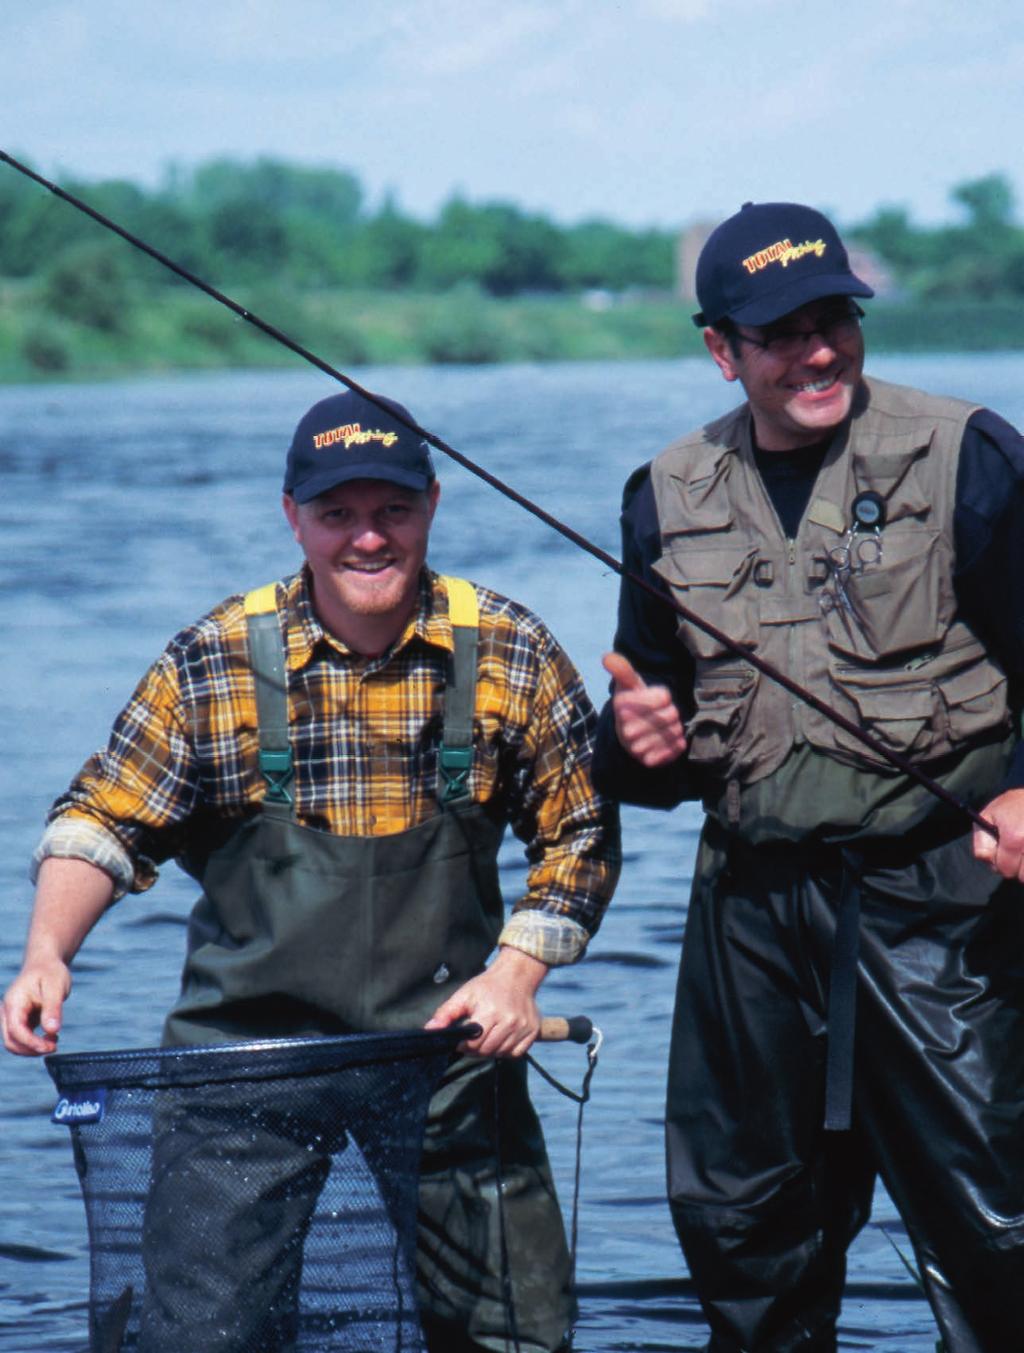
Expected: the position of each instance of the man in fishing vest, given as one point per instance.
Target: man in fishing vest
(335, 758)
(851, 992)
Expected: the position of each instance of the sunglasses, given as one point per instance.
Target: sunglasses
(833, 327)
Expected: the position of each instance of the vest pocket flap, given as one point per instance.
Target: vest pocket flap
(709, 580)
(694, 497)
(721, 686)
(892, 470)
(701, 515)
(706, 566)
(895, 704)
(973, 686)
(890, 459)
(901, 717)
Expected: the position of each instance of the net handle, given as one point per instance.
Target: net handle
(566, 1028)
(553, 1029)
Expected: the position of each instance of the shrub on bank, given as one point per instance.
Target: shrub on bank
(465, 328)
(175, 328)
(90, 285)
(45, 351)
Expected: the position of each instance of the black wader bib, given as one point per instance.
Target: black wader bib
(300, 931)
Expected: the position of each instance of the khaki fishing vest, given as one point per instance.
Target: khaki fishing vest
(881, 645)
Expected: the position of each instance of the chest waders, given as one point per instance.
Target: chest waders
(764, 1200)
(300, 931)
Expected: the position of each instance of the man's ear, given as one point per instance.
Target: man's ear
(721, 354)
(433, 496)
(291, 511)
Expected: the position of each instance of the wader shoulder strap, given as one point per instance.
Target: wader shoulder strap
(455, 758)
(267, 656)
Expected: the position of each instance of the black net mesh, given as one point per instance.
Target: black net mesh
(254, 1197)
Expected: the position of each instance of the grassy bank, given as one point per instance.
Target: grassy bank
(175, 328)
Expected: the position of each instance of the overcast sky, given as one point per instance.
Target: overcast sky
(651, 112)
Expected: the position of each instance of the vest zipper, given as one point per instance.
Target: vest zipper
(796, 710)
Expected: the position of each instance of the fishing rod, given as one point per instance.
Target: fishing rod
(731, 645)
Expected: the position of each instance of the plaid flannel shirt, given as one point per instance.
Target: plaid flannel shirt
(181, 763)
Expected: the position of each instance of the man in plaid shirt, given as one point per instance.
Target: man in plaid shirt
(367, 769)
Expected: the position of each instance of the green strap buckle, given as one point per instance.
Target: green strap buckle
(276, 768)
(455, 764)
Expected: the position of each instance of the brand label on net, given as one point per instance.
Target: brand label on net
(86, 1106)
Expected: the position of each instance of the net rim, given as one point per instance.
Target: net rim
(257, 1059)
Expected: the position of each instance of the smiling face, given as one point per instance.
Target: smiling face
(365, 542)
(797, 399)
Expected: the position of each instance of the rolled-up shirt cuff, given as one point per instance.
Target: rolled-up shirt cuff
(77, 838)
(555, 940)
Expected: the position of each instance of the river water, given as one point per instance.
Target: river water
(128, 510)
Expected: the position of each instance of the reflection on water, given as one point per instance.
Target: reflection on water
(128, 510)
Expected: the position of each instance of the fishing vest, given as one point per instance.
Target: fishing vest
(301, 931)
(879, 643)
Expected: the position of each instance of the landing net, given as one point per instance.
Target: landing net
(255, 1197)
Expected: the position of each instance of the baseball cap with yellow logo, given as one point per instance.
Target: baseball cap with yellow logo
(769, 259)
(348, 437)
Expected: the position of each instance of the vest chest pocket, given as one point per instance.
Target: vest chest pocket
(896, 604)
(713, 580)
(724, 696)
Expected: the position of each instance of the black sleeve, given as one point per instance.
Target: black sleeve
(988, 530)
(646, 635)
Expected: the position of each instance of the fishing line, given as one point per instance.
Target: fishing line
(731, 645)
(595, 1040)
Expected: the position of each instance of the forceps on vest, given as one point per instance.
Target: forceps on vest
(859, 549)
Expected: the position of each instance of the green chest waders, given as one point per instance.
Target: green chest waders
(300, 931)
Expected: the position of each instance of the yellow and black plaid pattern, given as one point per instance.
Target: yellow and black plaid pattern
(181, 763)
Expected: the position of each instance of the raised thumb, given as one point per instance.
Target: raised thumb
(622, 672)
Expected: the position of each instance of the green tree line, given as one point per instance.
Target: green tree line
(302, 247)
(312, 228)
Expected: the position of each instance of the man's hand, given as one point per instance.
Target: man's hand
(502, 1001)
(1006, 856)
(35, 1000)
(71, 896)
(647, 721)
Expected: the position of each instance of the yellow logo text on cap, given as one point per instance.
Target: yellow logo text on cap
(352, 434)
(784, 252)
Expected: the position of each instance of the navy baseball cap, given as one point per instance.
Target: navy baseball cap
(348, 437)
(768, 259)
